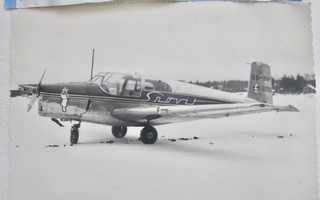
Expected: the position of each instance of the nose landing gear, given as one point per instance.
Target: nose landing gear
(74, 137)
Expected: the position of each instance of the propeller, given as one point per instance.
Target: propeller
(35, 93)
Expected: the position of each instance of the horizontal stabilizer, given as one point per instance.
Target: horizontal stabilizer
(288, 108)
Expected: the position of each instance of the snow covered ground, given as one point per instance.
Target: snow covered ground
(259, 156)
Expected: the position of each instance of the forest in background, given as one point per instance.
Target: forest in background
(285, 85)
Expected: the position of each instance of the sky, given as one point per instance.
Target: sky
(180, 41)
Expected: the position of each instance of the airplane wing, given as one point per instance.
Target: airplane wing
(172, 114)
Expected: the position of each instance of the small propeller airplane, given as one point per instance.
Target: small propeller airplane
(123, 100)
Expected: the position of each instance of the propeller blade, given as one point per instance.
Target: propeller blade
(37, 90)
(32, 101)
(35, 93)
(42, 76)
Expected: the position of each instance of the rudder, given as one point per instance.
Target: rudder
(260, 85)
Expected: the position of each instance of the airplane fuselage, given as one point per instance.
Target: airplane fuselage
(89, 102)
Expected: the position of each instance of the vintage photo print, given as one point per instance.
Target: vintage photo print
(184, 100)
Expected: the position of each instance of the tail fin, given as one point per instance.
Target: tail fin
(260, 86)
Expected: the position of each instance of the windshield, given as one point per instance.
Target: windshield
(118, 84)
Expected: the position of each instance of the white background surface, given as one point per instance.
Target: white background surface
(5, 25)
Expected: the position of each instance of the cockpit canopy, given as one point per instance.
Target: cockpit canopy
(120, 84)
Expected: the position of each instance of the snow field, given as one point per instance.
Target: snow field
(259, 156)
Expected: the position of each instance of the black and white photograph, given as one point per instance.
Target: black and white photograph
(163, 100)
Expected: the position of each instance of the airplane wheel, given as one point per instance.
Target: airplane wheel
(119, 131)
(149, 135)
(74, 137)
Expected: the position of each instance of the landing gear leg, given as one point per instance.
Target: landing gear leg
(149, 135)
(74, 137)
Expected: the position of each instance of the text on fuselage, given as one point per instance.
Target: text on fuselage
(158, 97)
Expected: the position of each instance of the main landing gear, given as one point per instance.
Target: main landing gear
(148, 135)
(74, 137)
(119, 131)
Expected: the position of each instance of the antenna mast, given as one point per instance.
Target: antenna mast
(92, 64)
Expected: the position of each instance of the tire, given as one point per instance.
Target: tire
(119, 131)
(149, 135)
(74, 137)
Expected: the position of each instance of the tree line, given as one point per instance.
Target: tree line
(286, 84)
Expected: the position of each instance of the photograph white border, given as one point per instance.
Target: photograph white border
(5, 47)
